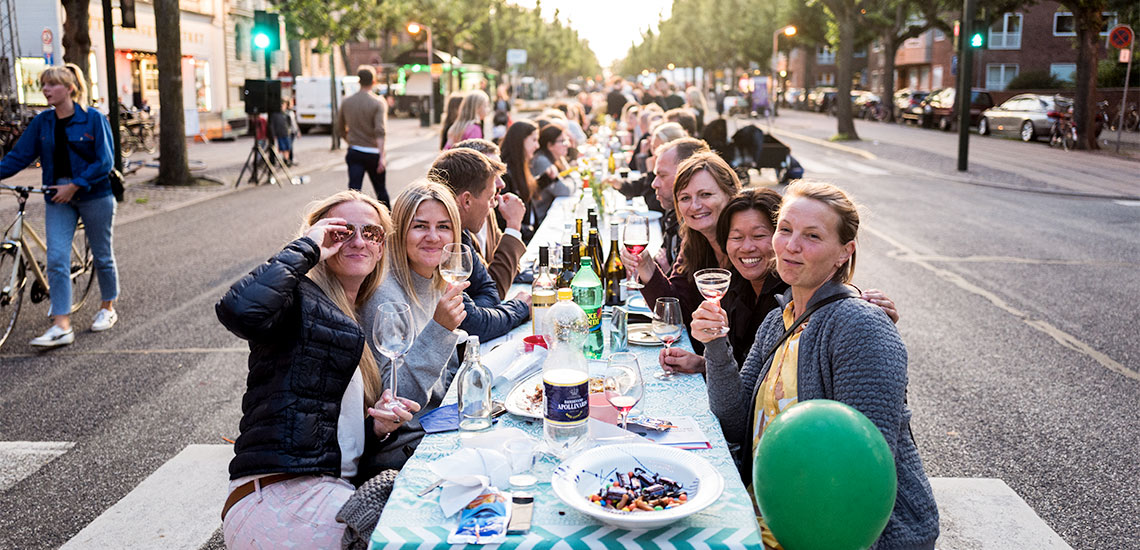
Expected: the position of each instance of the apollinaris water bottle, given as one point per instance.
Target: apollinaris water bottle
(565, 379)
(474, 388)
(590, 296)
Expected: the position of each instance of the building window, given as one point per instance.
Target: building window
(936, 80)
(241, 41)
(825, 79)
(824, 56)
(998, 75)
(1063, 71)
(1064, 24)
(860, 53)
(876, 45)
(939, 35)
(202, 85)
(1006, 33)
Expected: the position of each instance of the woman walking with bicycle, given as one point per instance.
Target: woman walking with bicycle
(73, 144)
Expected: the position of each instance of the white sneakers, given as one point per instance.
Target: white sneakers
(56, 337)
(104, 320)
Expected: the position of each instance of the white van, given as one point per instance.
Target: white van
(312, 96)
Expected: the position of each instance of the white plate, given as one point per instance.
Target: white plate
(651, 214)
(516, 402)
(638, 303)
(583, 475)
(642, 335)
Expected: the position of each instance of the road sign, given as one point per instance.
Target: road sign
(516, 57)
(436, 69)
(47, 36)
(1120, 36)
(1125, 56)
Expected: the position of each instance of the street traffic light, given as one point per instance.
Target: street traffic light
(977, 38)
(266, 31)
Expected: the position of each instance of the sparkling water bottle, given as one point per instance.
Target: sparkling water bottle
(590, 295)
(474, 388)
(565, 379)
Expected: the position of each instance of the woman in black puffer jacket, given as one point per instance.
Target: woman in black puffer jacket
(313, 401)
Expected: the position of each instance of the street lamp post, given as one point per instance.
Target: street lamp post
(414, 28)
(789, 30)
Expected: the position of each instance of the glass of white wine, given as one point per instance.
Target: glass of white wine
(455, 265)
(623, 384)
(713, 284)
(667, 326)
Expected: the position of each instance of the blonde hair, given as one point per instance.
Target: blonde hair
(403, 210)
(696, 98)
(669, 131)
(468, 114)
(843, 206)
(317, 210)
(69, 75)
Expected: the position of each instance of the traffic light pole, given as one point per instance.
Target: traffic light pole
(965, 79)
(112, 85)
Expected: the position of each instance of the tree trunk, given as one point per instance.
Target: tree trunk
(344, 60)
(173, 169)
(77, 37)
(890, 47)
(1084, 104)
(844, 60)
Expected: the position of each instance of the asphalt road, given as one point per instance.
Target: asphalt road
(1016, 310)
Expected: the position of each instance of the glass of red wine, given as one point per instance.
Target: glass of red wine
(624, 384)
(635, 235)
(667, 326)
(713, 284)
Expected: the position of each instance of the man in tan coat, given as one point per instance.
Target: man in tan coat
(363, 122)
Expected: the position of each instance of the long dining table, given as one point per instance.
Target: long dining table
(411, 521)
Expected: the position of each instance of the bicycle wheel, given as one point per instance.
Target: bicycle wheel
(1068, 138)
(147, 138)
(82, 268)
(126, 141)
(11, 290)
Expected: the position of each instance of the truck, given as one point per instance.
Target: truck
(311, 94)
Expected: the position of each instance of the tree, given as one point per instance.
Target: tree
(1088, 18)
(173, 168)
(895, 21)
(77, 35)
(844, 14)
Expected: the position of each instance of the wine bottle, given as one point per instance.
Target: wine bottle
(614, 272)
(594, 250)
(542, 291)
(570, 259)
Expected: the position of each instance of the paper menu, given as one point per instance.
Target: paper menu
(686, 435)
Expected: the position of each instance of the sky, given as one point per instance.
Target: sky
(610, 26)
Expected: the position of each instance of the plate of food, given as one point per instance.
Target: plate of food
(637, 486)
(642, 335)
(525, 399)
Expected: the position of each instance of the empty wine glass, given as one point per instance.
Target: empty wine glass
(635, 235)
(455, 265)
(667, 326)
(623, 384)
(713, 284)
(393, 333)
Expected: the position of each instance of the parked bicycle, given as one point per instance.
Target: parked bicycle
(19, 261)
(1063, 132)
(136, 132)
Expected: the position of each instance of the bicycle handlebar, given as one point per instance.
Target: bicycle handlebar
(24, 189)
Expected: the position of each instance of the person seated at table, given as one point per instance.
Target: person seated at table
(470, 177)
(518, 148)
(704, 185)
(848, 351)
(550, 160)
(648, 118)
(643, 186)
(454, 100)
(628, 122)
(570, 115)
(469, 123)
(499, 249)
(744, 231)
(669, 156)
(312, 406)
(685, 118)
(695, 101)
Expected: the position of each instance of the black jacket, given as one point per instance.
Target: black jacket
(303, 351)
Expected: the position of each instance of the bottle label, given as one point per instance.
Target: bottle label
(567, 404)
(594, 319)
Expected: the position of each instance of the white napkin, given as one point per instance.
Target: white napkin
(510, 363)
(479, 465)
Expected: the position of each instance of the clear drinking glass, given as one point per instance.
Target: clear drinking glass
(623, 384)
(713, 284)
(667, 326)
(455, 265)
(635, 235)
(393, 333)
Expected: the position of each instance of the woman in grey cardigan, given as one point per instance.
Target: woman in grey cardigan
(848, 351)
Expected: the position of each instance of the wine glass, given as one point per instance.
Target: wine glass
(635, 235)
(393, 333)
(667, 326)
(713, 284)
(455, 265)
(623, 384)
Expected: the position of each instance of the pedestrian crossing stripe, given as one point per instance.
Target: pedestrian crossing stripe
(23, 458)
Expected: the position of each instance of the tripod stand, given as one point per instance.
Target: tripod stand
(264, 163)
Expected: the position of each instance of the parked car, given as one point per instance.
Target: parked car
(795, 98)
(1024, 115)
(820, 99)
(941, 109)
(862, 101)
(911, 109)
(857, 99)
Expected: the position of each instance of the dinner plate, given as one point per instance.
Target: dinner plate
(651, 214)
(517, 402)
(642, 335)
(637, 303)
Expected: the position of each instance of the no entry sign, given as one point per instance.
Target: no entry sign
(1120, 36)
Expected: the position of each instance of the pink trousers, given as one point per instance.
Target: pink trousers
(295, 513)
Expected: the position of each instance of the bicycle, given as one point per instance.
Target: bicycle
(1063, 132)
(17, 259)
(136, 131)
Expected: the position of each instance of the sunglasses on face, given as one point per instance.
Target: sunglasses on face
(370, 233)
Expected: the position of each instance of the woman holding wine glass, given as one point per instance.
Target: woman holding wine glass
(313, 400)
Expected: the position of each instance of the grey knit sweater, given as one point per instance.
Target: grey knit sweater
(850, 352)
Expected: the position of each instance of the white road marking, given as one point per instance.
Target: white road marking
(1128, 203)
(1065, 339)
(986, 514)
(177, 507)
(22, 458)
(865, 169)
(409, 161)
(812, 166)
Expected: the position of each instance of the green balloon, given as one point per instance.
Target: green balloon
(824, 478)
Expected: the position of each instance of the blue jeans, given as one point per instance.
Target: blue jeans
(61, 220)
(360, 163)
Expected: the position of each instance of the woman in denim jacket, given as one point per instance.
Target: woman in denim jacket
(73, 144)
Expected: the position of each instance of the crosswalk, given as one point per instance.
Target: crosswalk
(835, 166)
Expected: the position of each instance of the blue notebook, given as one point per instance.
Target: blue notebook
(443, 419)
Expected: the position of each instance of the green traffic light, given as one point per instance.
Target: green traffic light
(261, 40)
(976, 40)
